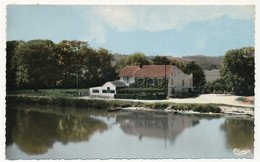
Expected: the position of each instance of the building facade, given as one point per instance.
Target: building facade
(107, 90)
(178, 81)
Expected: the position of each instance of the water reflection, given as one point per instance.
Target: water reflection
(240, 133)
(36, 131)
(155, 125)
(127, 134)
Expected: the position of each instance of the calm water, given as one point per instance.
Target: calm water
(53, 133)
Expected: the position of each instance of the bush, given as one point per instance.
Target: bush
(183, 95)
(125, 96)
(142, 91)
(197, 107)
(141, 97)
(156, 105)
(67, 102)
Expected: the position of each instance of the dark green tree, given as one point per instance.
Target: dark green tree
(137, 59)
(30, 61)
(10, 69)
(238, 71)
(71, 61)
(199, 80)
(161, 60)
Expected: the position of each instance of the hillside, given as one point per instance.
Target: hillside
(206, 62)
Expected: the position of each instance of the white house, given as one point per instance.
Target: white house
(177, 81)
(107, 90)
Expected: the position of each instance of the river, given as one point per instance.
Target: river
(44, 132)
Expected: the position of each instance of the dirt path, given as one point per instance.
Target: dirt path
(204, 98)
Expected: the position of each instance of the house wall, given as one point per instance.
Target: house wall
(179, 78)
(100, 89)
(130, 80)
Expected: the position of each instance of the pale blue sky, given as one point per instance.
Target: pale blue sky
(154, 30)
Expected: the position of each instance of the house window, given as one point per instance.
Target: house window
(104, 91)
(126, 79)
(173, 91)
(95, 90)
(182, 82)
(151, 81)
(112, 91)
(172, 81)
(108, 89)
(140, 81)
(160, 81)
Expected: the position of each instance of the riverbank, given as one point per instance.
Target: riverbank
(224, 110)
(220, 99)
(106, 104)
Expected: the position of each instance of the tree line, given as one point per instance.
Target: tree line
(237, 73)
(38, 64)
(69, 64)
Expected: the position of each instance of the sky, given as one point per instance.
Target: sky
(166, 30)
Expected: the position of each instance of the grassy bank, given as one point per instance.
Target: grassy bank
(67, 102)
(48, 92)
(105, 104)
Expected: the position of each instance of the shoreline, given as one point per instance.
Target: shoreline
(188, 108)
(224, 111)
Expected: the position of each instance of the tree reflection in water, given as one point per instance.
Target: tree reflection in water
(36, 131)
(240, 133)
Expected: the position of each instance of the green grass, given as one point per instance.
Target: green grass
(66, 98)
(47, 92)
(243, 99)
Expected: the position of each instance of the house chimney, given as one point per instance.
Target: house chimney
(140, 66)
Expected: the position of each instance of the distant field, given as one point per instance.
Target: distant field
(48, 92)
(212, 75)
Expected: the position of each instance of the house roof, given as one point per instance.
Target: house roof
(129, 71)
(119, 83)
(154, 71)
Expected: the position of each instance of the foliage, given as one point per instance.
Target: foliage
(199, 80)
(10, 69)
(69, 64)
(67, 102)
(161, 60)
(48, 92)
(137, 58)
(147, 91)
(141, 96)
(217, 86)
(145, 83)
(197, 107)
(31, 62)
(238, 71)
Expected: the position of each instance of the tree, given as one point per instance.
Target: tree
(105, 70)
(71, 61)
(161, 60)
(238, 71)
(137, 59)
(31, 60)
(10, 69)
(98, 68)
(199, 80)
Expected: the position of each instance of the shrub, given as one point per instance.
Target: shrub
(141, 97)
(141, 91)
(125, 96)
(183, 95)
(67, 102)
(156, 105)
